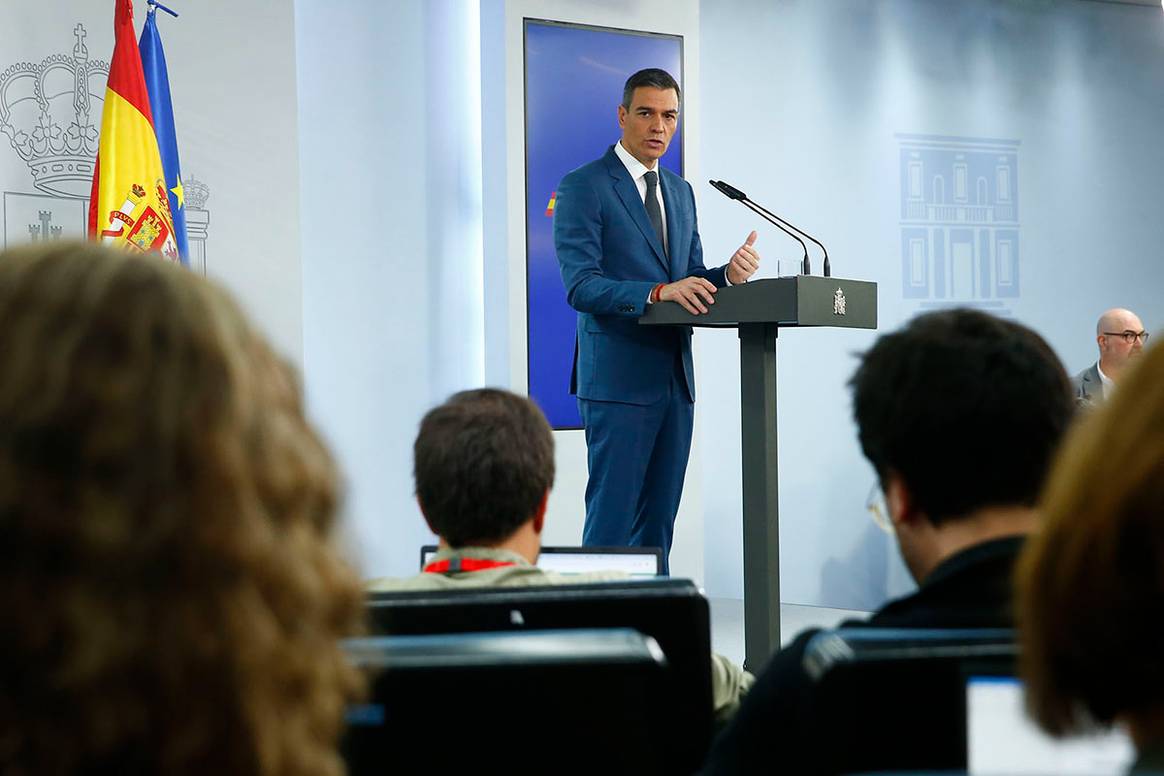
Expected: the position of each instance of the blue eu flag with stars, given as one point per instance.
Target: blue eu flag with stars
(153, 61)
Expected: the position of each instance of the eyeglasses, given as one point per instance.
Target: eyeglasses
(1129, 335)
(878, 509)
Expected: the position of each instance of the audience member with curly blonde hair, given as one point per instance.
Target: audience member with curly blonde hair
(171, 594)
(1091, 584)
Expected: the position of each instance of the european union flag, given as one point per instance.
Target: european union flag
(153, 61)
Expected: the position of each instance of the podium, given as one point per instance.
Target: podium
(759, 310)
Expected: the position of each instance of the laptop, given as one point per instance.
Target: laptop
(637, 562)
(1002, 739)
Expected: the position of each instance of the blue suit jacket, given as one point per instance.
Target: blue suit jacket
(611, 259)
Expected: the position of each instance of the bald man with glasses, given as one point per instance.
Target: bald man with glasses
(1121, 337)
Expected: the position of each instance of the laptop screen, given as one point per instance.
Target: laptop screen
(1001, 739)
(639, 562)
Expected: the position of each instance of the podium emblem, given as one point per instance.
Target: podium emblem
(839, 302)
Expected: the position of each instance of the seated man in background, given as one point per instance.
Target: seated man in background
(1091, 582)
(959, 413)
(172, 596)
(1121, 339)
(484, 466)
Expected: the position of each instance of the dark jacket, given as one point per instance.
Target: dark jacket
(1149, 761)
(1088, 387)
(769, 735)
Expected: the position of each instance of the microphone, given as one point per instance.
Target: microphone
(731, 192)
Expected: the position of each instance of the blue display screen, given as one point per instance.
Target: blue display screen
(574, 77)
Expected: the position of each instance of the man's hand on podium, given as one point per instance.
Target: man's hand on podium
(691, 293)
(744, 262)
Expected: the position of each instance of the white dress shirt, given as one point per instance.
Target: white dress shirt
(638, 173)
(637, 170)
(1105, 382)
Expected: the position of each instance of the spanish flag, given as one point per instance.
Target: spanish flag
(129, 207)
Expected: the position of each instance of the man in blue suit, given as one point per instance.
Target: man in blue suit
(626, 237)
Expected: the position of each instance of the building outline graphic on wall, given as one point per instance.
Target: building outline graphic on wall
(51, 114)
(959, 221)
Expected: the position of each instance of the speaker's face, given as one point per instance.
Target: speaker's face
(650, 123)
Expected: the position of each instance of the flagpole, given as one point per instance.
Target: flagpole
(153, 4)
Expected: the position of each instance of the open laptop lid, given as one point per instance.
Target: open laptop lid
(1002, 739)
(639, 562)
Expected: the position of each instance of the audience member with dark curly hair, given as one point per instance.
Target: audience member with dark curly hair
(172, 597)
(1091, 583)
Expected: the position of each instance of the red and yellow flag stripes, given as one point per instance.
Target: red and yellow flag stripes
(129, 206)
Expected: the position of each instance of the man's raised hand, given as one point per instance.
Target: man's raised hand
(744, 262)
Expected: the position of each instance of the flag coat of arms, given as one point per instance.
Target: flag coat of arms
(130, 205)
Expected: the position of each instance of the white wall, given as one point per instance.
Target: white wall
(398, 124)
(392, 259)
(803, 105)
(799, 104)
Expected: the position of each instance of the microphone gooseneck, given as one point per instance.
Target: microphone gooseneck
(805, 264)
(733, 193)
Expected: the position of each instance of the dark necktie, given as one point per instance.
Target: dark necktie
(652, 203)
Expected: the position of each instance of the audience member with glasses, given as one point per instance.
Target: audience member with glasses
(960, 414)
(1121, 338)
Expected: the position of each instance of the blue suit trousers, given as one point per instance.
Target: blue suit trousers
(637, 459)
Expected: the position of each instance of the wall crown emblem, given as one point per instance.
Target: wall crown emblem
(46, 113)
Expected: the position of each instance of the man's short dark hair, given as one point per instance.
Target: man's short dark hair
(652, 77)
(482, 462)
(968, 409)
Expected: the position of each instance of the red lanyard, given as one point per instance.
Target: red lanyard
(454, 565)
